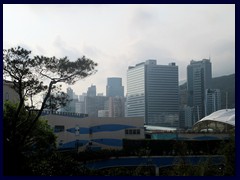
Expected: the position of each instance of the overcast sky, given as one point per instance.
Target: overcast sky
(118, 36)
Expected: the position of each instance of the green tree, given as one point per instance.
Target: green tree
(228, 150)
(33, 76)
(40, 142)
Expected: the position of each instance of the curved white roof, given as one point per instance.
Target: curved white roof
(225, 116)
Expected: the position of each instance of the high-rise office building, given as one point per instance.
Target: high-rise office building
(92, 91)
(152, 92)
(114, 87)
(185, 117)
(116, 106)
(199, 77)
(212, 101)
(93, 104)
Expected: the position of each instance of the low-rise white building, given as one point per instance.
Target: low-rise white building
(74, 132)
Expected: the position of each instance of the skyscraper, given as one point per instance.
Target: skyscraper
(114, 87)
(92, 91)
(152, 92)
(199, 77)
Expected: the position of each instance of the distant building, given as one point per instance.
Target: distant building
(93, 104)
(70, 93)
(80, 107)
(116, 106)
(186, 117)
(103, 113)
(199, 78)
(9, 94)
(80, 104)
(153, 93)
(114, 87)
(71, 106)
(212, 101)
(92, 91)
(81, 98)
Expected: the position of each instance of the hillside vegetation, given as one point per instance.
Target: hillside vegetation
(225, 84)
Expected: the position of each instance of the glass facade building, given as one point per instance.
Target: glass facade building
(152, 92)
(199, 77)
(114, 87)
(136, 91)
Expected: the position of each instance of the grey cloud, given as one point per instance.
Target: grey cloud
(223, 58)
(93, 52)
(65, 50)
(143, 50)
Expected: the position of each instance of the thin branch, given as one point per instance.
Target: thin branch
(10, 73)
(46, 75)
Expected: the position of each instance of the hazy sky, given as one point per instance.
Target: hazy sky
(118, 36)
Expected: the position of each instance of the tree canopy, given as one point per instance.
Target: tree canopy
(33, 76)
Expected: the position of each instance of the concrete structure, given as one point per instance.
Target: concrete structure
(74, 132)
(212, 101)
(199, 77)
(114, 87)
(152, 93)
(9, 94)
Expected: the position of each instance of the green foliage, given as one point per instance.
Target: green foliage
(25, 135)
(57, 164)
(125, 171)
(225, 84)
(38, 75)
(229, 151)
(40, 138)
(57, 101)
(39, 143)
(184, 169)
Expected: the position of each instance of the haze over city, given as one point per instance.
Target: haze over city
(118, 36)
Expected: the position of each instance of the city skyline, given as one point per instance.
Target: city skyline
(118, 36)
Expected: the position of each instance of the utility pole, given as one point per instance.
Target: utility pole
(198, 112)
(226, 100)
